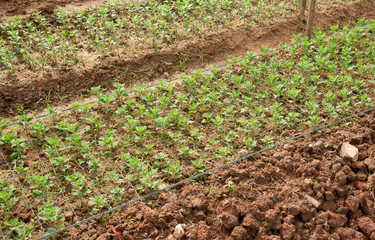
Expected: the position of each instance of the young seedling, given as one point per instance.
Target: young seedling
(18, 229)
(49, 213)
(231, 186)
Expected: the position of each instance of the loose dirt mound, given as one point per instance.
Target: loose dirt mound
(60, 86)
(11, 8)
(270, 196)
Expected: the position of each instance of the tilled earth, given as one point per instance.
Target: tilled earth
(62, 87)
(11, 8)
(304, 189)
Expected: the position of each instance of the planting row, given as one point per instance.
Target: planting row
(123, 28)
(68, 166)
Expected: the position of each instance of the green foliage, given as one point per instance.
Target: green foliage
(7, 198)
(231, 186)
(49, 213)
(18, 229)
(158, 136)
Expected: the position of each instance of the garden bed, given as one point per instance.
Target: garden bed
(265, 196)
(33, 74)
(66, 167)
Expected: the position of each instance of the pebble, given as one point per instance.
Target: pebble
(179, 231)
(349, 152)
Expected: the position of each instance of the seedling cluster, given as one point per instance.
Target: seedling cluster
(126, 145)
(65, 41)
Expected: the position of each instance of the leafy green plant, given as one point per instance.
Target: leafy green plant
(49, 213)
(53, 147)
(98, 203)
(231, 186)
(18, 145)
(174, 169)
(18, 229)
(62, 162)
(7, 198)
(77, 180)
(116, 193)
(41, 185)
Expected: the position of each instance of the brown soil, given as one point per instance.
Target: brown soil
(62, 87)
(270, 201)
(11, 8)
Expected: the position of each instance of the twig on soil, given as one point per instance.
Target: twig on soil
(313, 201)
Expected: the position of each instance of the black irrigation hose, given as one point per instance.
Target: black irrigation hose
(202, 174)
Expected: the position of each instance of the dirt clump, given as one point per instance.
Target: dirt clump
(277, 207)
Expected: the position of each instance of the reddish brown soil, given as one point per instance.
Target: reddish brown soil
(11, 8)
(269, 202)
(64, 87)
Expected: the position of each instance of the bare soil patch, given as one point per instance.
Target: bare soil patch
(12, 8)
(265, 197)
(62, 87)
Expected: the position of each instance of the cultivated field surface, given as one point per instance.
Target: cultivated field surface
(66, 167)
(268, 196)
(24, 8)
(202, 156)
(55, 58)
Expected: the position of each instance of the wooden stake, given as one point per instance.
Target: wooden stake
(310, 20)
(301, 15)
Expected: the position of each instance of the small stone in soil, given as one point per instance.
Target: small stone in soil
(349, 152)
(179, 231)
